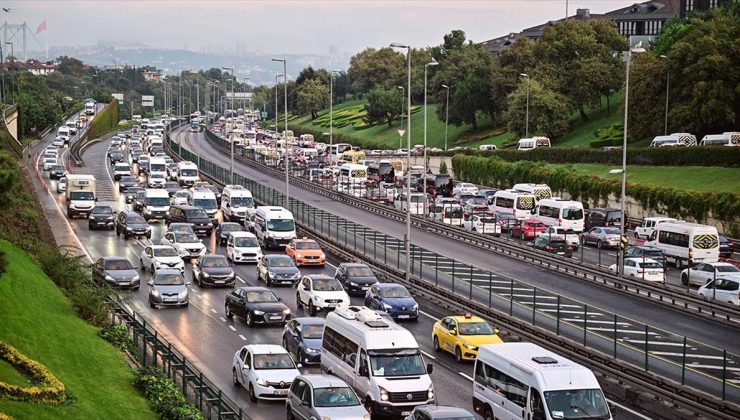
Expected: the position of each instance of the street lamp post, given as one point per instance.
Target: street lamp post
(276, 103)
(231, 167)
(424, 179)
(408, 160)
(526, 130)
(285, 131)
(331, 112)
(667, 90)
(403, 93)
(447, 112)
(245, 92)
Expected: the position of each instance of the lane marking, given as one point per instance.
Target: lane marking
(222, 319)
(231, 327)
(427, 355)
(243, 337)
(466, 376)
(214, 311)
(427, 315)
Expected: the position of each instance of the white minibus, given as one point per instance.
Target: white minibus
(540, 191)
(512, 202)
(274, 226)
(686, 244)
(558, 212)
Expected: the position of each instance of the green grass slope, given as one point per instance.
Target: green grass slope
(39, 321)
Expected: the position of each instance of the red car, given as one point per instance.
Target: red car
(527, 229)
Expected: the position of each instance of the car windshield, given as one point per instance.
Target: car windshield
(57, 168)
(307, 245)
(196, 214)
(280, 225)
(188, 172)
(102, 210)
(611, 231)
(474, 328)
(230, 227)
(185, 238)
(214, 263)
(398, 363)
(535, 224)
(312, 331)
(261, 297)
(613, 216)
(281, 261)
(122, 168)
(115, 265)
(127, 179)
(335, 397)
(182, 194)
(242, 202)
(181, 227)
(326, 285)
(477, 200)
(573, 214)
(169, 279)
(487, 220)
(577, 404)
(135, 218)
(81, 195)
(359, 272)
(727, 269)
(165, 252)
(395, 292)
(273, 361)
(205, 203)
(158, 201)
(649, 264)
(246, 243)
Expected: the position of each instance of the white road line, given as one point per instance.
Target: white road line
(428, 355)
(656, 343)
(622, 331)
(214, 311)
(243, 337)
(466, 376)
(240, 279)
(565, 311)
(231, 327)
(629, 410)
(595, 321)
(695, 356)
(222, 319)
(717, 367)
(427, 315)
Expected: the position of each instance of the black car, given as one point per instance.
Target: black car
(135, 154)
(143, 165)
(278, 269)
(127, 182)
(602, 218)
(645, 252)
(213, 270)
(131, 193)
(116, 272)
(115, 156)
(552, 244)
(129, 223)
(171, 187)
(139, 200)
(57, 171)
(356, 278)
(100, 217)
(256, 305)
(193, 215)
(302, 338)
(224, 229)
(726, 247)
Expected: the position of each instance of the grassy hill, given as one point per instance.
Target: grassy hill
(39, 321)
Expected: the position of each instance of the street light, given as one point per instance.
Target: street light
(285, 131)
(401, 130)
(424, 179)
(245, 91)
(276, 104)
(526, 130)
(331, 112)
(447, 112)
(667, 89)
(231, 168)
(408, 160)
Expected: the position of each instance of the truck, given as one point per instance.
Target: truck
(80, 195)
(90, 108)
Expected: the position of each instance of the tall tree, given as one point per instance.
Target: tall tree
(506, 70)
(312, 96)
(383, 105)
(371, 68)
(548, 111)
(647, 93)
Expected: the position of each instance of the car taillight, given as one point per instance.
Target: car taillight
(548, 248)
(569, 248)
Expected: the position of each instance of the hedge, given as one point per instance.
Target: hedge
(105, 121)
(49, 389)
(164, 395)
(724, 207)
(666, 156)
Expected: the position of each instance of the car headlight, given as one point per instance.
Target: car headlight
(155, 292)
(271, 274)
(296, 275)
(430, 392)
(136, 278)
(109, 278)
(298, 256)
(352, 283)
(310, 350)
(109, 218)
(231, 275)
(128, 227)
(366, 417)
(206, 275)
(416, 306)
(259, 312)
(91, 217)
(383, 394)
(286, 311)
(470, 347)
(147, 211)
(262, 382)
(318, 299)
(183, 294)
(387, 306)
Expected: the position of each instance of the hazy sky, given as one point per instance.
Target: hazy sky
(299, 26)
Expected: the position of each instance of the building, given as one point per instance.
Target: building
(151, 74)
(688, 6)
(36, 67)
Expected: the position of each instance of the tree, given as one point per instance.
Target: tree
(506, 70)
(312, 96)
(548, 110)
(371, 68)
(647, 93)
(8, 178)
(383, 105)
(70, 65)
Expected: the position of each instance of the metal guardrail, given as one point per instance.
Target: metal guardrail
(722, 313)
(675, 365)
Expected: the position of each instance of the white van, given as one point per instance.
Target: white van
(686, 243)
(274, 226)
(157, 165)
(488, 147)
(512, 202)
(731, 139)
(206, 200)
(525, 381)
(156, 204)
(675, 139)
(418, 206)
(72, 125)
(558, 212)
(187, 173)
(540, 191)
(336, 151)
(63, 132)
(532, 143)
(154, 141)
(378, 358)
(648, 226)
(353, 174)
(236, 203)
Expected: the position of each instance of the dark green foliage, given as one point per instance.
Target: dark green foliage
(164, 395)
(118, 335)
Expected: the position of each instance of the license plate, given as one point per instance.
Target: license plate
(281, 392)
(404, 316)
(653, 273)
(561, 253)
(170, 299)
(275, 317)
(331, 305)
(405, 413)
(219, 282)
(365, 288)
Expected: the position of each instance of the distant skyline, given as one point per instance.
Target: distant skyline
(322, 27)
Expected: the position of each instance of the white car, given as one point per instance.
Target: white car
(160, 256)
(243, 247)
(48, 162)
(180, 198)
(121, 169)
(187, 244)
(647, 269)
(464, 188)
(703, 273)
(483, 224)
(50, 150)
(571, 238)
(62, 185)
(723, 289)
(59, 141)
(156, 180)
(266, 370)
(320, 292)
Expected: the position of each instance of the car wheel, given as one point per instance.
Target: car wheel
(151, 304)
(679, 264)
(311, 309)
(268, 282)
(141, 266)
(436, 344)
(298, 302)
(234, 379)
(458, 355)
(369, 407)
(487, 414)
(290, 415)
(118, 232)
(250, 320)
(125, 235)
(152, 268)
(252, 397)
(599, 244)
(684, 279)
(228, 312)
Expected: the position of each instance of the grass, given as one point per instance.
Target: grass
(696, 178)
(10, 375)
(39, 321)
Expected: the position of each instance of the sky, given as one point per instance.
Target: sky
(280, 26)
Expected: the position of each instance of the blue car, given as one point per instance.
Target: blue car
(302, 339)
(393, 299)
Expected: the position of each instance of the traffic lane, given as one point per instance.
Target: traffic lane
(598, 297)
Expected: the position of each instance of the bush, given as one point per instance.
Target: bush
(47, 389)
(105, 122)
(165, 396)
(3, 263)
(117, 334)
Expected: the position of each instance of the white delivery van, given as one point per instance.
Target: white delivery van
(532, 143)
(187, 173)
(158, 166)
(648, 226)
(156, 204)
(80, 195)
(205, 199)
(274, 226)
(63, 133)
(675, 139)
(236, 203)
(686, 243)
(487, 147)
(418, 206)
(72, 125)
(731, 139)
(337, 150)
(353, 174)
(378, 358)
(558, 212)
(90, 108)
(540, 191)
(154, 141)
(512, 202)
(525, 381)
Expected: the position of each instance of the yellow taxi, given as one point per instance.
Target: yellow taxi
(83, 117)
(305, 252)
(462, 335)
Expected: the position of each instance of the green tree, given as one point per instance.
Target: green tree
(647, 94)
(8, 178)
(39, 107)
(548, 110)
(383, 105)
(371, 68)
(312, 96)
(506, 69)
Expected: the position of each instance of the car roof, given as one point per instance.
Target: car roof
(312, 320)
(640, 259)
(444, 412)
(323, 381)
(273, 256)
(318, 276)
(254, 289)
(167, 271)
(463, 319)
(349, 264)
(304, 240)
(114, 258)
(212, 256)
(266, 349)
(389, 285)
(161, 246)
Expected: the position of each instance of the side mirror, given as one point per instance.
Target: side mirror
(150, 283)
(299, 365)
(453, 332)
(496, 330)
(228, 205)
(363, 371)
(187, 283)
(430, 368)
(306, 403)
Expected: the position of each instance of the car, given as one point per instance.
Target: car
(211, 188)
(180, 198)
(483, 224)
(115, 156)
(131, 193)
(323, 397)
(224, 229)
(256, 305)
(139, 200)
(726, 247)
(463, 336)
(101, 217)
(527, 229)
(394, 299)
(129, 223)
(171, 188)
(642, 268)
(602, 237)
(570, 236)
(121, 169)
(155, 257)
(703, 273)
(59, 141)
(117, 272)
(319, 292)
(505, 220)
(187, 244)
(646, 251)
(155, 180)
(57, 172)
(213, 270)
(277, 269)
(168, 287)
(49, 162)
(305, 252)
(603, 218)
(356, 278)
(193, 215)
(465, 188)
(488, 193)
(243, 247)
(302, 339)
(439, 412)
(127, 182)
(723, 289)
(266, 370)
(62, 184)
(475, 202)
(110, 150)
(180, 228)
(554, 244)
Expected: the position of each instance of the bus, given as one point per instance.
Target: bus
(558, 212)
(540, 191)
(512, 202)
(337, 150)
(353, 156)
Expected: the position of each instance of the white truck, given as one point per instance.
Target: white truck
(187, 173)
(80, 195)
(90, 108)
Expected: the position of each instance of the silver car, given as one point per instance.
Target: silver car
(439, 412)
(602, 237)
(323, 397)
(168, 287)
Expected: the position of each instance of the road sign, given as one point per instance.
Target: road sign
(624, 242)
(118, 96)
(264, 114)
(147, 100)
